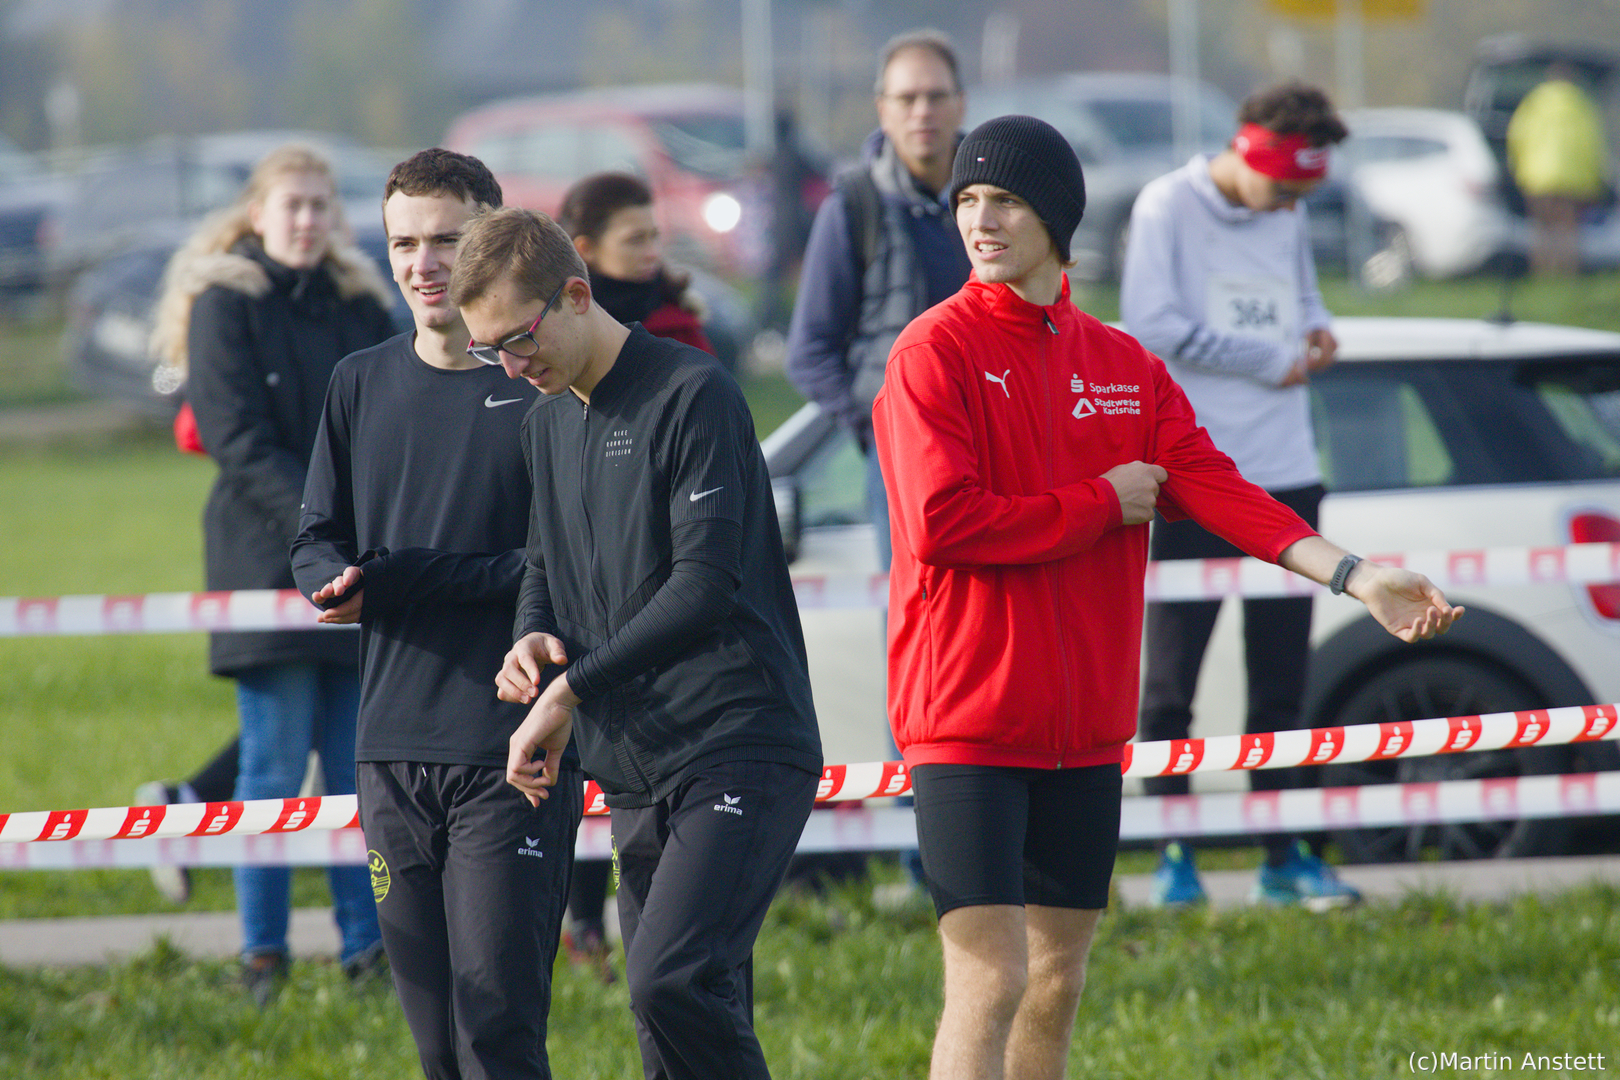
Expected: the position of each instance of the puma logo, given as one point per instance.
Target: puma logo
(1002, 381)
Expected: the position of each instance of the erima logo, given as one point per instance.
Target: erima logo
(729, 806)
(1002, 381)
(531, 849)
(491, 403)
(696, 495)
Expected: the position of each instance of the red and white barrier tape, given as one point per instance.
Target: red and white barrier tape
(1188, 579)
(880, 779)
(1375, 742)
(892, 828)
(159, 613)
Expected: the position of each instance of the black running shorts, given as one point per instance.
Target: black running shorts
(995, 835)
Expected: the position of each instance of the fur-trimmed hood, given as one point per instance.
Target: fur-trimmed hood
(199, 265)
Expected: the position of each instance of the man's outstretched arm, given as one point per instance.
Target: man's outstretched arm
(1408, 605)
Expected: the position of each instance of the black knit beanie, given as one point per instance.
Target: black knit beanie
(1029, 158)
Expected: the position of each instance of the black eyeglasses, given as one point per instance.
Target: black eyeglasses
(932, 98)
(521, 345)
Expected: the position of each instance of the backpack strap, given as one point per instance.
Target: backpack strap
(863, 210)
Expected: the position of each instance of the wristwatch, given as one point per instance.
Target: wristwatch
(1342, 574)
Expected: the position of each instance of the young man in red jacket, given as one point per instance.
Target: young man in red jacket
(1025, 447)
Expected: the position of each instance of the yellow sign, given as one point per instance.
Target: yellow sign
(1329, 9)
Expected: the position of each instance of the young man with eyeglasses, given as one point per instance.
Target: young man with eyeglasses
(656, 624)
(1026, 446)
(414, 519)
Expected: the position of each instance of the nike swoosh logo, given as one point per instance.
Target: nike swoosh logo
(696, 495)
(491, 403)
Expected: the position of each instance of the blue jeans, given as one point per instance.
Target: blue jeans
(287, 710)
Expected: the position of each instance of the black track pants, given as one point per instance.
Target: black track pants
(470, 884)
(697, 872)
(1276, 651)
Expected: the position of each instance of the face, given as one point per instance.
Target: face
(920, 108)
(1262, 193)
(629, 249)
(504, 312)
(1006, 241)
(294, 220)
(423, 234)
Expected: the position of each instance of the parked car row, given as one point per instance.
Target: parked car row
(1433, 175)
(688, 141)
(109, 228)
(1122, 128)
(1433, 434)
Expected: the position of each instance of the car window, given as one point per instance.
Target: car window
(1365, 148)
(709, 144)
(1584, 400)
(1135, 124)
(1071, 117)
(1376, 434)
(1383, 426)
(113, 195)
(546, 151)
(606, 148)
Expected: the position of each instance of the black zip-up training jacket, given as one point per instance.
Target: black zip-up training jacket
(654, 555)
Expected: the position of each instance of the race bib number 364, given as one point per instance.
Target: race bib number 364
(1253, 307)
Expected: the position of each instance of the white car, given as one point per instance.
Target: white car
(1434, 434)
(1431, 173)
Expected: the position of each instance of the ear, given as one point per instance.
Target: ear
(585, 247)
(255, 215)
(578, 291)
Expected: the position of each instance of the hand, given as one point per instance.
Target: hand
(1297, 375)
(519, 678)
(1321, 349)
(534, 752)
(349, 583)
(1408, 605)
(1137, 485)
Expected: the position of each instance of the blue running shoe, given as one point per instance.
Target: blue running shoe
(1305, 880)
(1175, 882)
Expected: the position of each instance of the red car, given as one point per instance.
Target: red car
(687, 141)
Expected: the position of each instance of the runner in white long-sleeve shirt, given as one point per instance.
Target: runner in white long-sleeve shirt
(1220, 283)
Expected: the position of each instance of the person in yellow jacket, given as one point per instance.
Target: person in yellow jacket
(1559, 157)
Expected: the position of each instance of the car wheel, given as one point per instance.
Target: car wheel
(1390, 267)
(1447, 686)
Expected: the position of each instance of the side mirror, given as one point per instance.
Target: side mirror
(785, 491)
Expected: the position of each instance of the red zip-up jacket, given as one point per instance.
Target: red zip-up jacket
(1015, 597)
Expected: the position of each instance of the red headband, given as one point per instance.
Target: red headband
(1281, 157)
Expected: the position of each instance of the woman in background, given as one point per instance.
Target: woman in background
(257, 308)
(610, 217)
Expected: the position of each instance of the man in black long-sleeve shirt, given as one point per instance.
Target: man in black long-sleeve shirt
(655, 573)
(415, 513)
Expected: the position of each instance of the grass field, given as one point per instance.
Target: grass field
(843, 991)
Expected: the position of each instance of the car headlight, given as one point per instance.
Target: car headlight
(722, 212)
